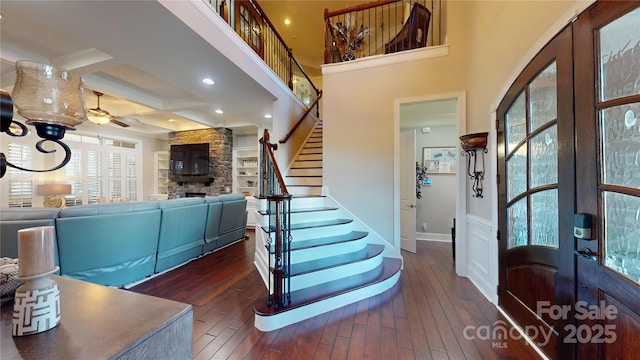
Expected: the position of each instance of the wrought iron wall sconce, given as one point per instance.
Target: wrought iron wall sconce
(50, 99)
(471, 144)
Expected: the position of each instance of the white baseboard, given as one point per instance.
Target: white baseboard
(433, 237)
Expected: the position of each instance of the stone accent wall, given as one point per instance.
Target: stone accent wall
(220, 161)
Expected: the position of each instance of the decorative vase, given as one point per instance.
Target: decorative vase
(36, 306)
(473, 141)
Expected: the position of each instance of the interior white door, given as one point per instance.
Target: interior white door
(408, 190)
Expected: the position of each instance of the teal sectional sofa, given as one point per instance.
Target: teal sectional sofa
(118, 244)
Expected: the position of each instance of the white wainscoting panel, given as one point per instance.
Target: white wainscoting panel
(482, 266)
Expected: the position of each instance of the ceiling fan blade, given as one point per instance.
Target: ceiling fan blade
(119, 123)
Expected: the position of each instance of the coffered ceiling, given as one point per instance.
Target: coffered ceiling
(147, 62)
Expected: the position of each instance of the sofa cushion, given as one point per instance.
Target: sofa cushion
(14, 219)
(109, 208)
(212, 226)
(10, 214)
(111, 249)
(233, 220)
(174, 203)
(182, 229)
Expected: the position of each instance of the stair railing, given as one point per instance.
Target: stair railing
(252, 24)
(304, 116)
(381, 27)
(274, 190)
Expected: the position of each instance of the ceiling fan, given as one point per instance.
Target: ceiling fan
(100, 116)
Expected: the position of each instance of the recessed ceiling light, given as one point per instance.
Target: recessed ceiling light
(208, 81)
(171, 120)
(287, 21)
(268, 116)
(218, 111)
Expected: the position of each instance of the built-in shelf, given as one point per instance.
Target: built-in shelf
(161, 175)
(245, 178)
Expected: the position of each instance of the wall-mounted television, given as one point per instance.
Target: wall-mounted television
(189, 160)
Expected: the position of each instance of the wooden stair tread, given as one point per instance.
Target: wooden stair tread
(368, 252)
(304, 176)
(324, 241)
(328, 240)
(306, 296)
(303, 210)
(312, 224)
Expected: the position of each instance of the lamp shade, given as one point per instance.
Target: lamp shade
(45, 94)
(54, 189)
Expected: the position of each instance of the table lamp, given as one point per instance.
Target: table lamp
(52, 194)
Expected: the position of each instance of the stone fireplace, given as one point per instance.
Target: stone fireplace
(220, 162)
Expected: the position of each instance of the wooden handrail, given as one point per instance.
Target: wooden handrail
(371, 5)
(268, 148)
(297, 124)
(276, 171)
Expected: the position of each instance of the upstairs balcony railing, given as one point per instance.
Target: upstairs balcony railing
(382, 27)
(249, 21)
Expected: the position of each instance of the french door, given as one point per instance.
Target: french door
(536, 195)
(569, 196)
(607, 53)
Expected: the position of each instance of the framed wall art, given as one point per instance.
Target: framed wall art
(439, 160)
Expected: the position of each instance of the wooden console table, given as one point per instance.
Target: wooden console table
(99, 322)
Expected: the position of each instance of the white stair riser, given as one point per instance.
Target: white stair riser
(313, 233)
(305, 172)
(274, 322)
(314, 253)
(317, 232)
(311, 151)
(303, 202)
(307, 164)
(309, 157)
(306, 180)
(309, 216)
(305, 190)
(322, 276)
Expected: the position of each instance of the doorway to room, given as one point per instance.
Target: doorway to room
(428, 142)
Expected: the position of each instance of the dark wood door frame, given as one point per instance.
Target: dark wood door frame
(531, 276)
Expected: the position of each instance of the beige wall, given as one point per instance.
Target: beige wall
(359, 123)
(503, 36)
(489, 43)
(437, 208)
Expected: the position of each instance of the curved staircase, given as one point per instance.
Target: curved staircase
(334, 259)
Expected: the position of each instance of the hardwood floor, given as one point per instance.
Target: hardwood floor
(423, 317)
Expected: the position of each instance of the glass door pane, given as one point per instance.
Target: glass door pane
(543, 97)
(619, 75)
(622, 234)
(620, 57)
(532, 163)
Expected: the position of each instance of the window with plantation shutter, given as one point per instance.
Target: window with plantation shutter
(115, 175)
(99, 170)
(94, 176)
(131, 178)
(20, 182)
(73, 176)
